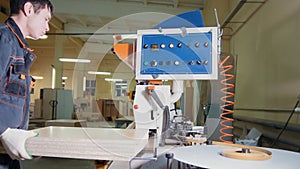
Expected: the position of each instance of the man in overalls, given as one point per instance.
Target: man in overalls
(27, 18)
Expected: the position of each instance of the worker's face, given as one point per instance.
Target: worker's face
(38, 23)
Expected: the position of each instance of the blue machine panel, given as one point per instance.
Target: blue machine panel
(177, 54)
(173, 54)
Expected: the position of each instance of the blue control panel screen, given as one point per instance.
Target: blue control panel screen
(176, 54)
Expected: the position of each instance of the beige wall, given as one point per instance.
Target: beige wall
(267, 53)
(42, 67)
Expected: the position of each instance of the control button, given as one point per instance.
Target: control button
(171, 45)
(161, 63)
(154, 46)
(205, 44)
(206, 62)
(146, 63)
(199, 62)
(162, 46)
(153, 63)
(179, 45)
(192, 62)
(146, 46)
(169, 63)
(197, 44)
(176, 63)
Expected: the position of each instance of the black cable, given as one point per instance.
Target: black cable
(166, 119)
(287, 122)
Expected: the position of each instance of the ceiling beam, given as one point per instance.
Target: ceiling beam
(56, 23)
(112, 9)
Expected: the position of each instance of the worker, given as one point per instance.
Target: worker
(28, 18)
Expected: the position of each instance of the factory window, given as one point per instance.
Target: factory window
(90, 87)
(121, 88)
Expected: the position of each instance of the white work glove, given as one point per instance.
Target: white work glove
(13, 141)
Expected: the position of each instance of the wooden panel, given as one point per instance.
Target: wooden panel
(109, 109)
(100, 105)
(88, 143)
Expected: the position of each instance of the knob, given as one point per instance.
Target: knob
(153, 63)
(205, 44)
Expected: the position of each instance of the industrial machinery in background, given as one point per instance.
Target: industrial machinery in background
(56, 104)
(176, 50)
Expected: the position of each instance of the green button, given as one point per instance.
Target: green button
(146, 63)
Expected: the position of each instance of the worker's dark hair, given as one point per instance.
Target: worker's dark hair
(17, 5)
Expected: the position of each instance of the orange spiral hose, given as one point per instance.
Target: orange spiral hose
(227, 103)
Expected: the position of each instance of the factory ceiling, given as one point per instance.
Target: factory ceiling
(102, 18)
(80, 18)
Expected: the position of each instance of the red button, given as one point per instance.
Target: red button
(135, 106)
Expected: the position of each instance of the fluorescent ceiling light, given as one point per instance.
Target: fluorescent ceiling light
(98, 73)
(64, 78)
(44, 37)
(41, 37)
(112, 80)
(38, 77)
(53, 78)
(121, 84)
(84, 84)
(74, 60)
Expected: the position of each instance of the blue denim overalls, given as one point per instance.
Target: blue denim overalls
(15, 61)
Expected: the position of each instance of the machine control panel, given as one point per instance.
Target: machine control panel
(183, 53)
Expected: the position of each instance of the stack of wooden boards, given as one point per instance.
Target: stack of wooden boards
(88, 143)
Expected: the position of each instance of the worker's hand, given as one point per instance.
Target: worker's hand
(13, 140)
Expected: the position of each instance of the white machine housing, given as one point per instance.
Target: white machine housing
(147, 113)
